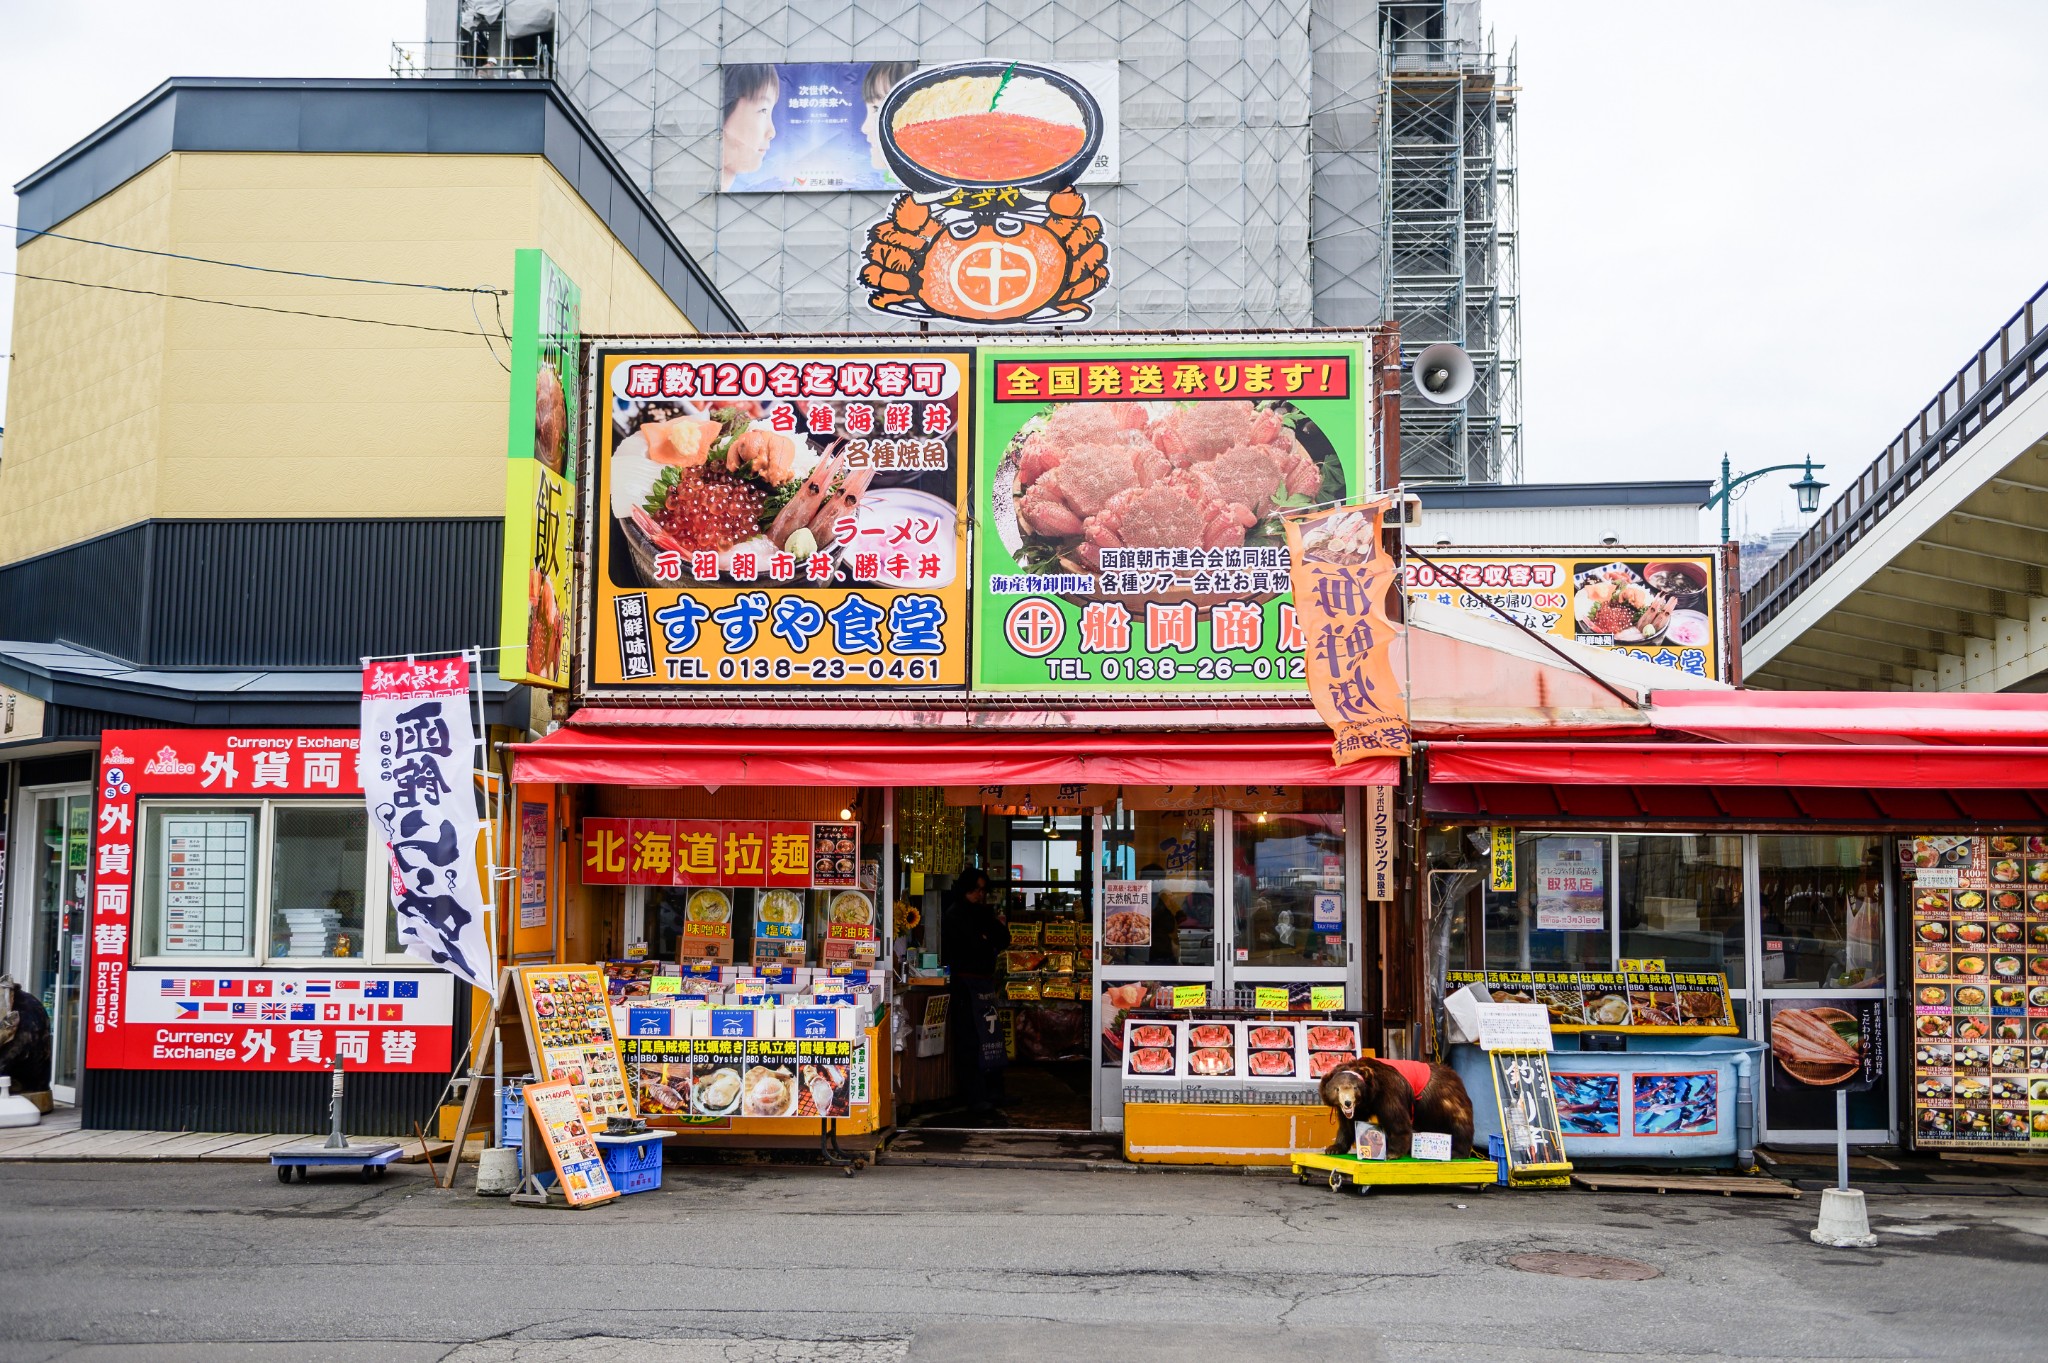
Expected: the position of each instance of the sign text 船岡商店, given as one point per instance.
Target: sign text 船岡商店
(1128, 501)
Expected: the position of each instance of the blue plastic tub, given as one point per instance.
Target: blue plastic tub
(1679, 1098)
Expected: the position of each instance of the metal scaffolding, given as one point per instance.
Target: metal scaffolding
(1284, 163)
(1447, 149)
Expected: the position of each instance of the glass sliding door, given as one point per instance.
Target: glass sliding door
(1232, 900)
(58, 874)
(1156, 926)
(1292, 898)
(1821, 942)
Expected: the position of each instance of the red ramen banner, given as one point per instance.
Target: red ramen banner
(1344, 580)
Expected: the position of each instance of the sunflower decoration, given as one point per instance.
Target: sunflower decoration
(908, 916)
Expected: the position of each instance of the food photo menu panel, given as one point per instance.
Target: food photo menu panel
(1979, 915)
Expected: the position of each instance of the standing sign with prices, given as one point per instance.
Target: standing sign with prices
(1528, 1113)
(1128, 538)
(769, 518)
(564, 1121)
(568, 1015)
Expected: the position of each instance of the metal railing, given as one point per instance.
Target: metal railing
(462, 58)
(2007, 365)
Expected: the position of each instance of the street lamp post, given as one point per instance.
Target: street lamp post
(1807, 488)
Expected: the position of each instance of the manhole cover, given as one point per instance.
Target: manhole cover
(1566, 1264)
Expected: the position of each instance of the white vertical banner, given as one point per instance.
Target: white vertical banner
(418, 761)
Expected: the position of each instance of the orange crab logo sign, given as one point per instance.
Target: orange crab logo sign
(992, 229)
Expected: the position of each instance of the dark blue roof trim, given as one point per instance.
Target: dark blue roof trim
(64, 675)
(1502, 496)
(450, 117)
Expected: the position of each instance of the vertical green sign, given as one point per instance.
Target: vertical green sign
(541, 430)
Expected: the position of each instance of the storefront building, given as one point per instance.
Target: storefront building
(1875, 862)
(267, 492)
(1109, 732)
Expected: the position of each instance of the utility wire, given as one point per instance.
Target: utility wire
(261, 269)
(256, 307)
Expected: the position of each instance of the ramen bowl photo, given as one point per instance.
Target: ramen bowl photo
(988, 124)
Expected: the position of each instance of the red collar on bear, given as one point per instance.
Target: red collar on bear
(1414, 1071)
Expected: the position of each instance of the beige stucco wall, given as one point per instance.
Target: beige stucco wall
(121, 409)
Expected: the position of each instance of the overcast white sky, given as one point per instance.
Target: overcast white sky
(1769, 228)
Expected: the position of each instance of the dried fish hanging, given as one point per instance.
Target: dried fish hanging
(933, 834)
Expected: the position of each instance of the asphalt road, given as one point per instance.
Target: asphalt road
(174, 1263)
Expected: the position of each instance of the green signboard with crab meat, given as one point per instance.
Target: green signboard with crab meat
(1127, 508)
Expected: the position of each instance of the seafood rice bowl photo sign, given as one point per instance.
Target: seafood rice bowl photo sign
(765, 517)
(992, 229)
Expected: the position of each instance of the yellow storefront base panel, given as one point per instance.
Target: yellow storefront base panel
(1225, 1133)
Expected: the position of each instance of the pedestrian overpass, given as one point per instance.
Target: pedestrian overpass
(1926, 574)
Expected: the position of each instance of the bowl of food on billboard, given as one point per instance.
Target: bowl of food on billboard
(745, 489)
(976, 124)
(1640, 603)
(1082, 479)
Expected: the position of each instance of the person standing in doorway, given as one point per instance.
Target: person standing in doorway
(971, 935)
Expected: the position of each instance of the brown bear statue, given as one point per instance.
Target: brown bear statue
(1403, 1096)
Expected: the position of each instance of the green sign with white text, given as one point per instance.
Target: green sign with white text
(1127, 502)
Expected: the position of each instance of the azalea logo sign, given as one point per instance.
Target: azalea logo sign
(167, 763)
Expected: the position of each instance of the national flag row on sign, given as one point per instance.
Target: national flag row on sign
(190, 1009)
(189, 987)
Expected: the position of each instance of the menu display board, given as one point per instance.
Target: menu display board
(778, 518)
(1979, 915)
(564, 1122)
(1128, 500)
(1680, 1002)
(690, 1079)
(1161, 1050)
(569, 1017)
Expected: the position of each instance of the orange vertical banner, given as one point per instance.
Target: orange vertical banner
(1343, 580)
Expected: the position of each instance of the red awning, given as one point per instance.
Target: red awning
(1859, 717)
(1873, 766)
(895, 757)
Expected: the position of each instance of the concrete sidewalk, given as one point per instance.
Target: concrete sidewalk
(59, 1137)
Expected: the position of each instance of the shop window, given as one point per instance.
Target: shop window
(1172, 853)
(1820, 904)
(204, 870)
(1680, 900)
(317, 874)
(198, 880)
(1557, 916)
(1289, 883)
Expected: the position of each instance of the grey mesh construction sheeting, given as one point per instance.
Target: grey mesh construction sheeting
(1253, 143)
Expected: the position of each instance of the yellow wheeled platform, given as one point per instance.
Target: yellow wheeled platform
(1349, 1171)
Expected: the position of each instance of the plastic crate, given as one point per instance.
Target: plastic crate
(635, 1168)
